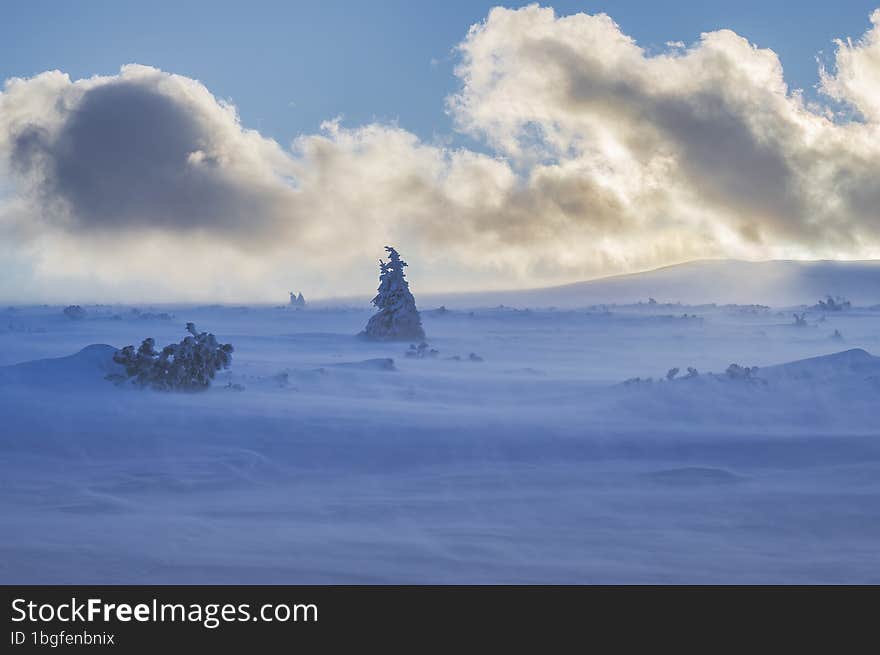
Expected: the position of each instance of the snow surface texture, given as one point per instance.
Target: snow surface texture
(323, 458)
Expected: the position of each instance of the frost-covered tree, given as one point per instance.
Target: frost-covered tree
(186, 366)
(397, 318)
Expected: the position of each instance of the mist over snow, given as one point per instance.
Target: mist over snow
(646, 443)
(591, 157)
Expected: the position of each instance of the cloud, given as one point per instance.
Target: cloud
(598, 158)
(714, 127)
(142, 150)
(857, 78)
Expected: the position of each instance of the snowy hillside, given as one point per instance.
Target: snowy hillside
(778, 283)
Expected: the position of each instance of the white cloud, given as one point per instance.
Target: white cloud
(605, 159)
(856, 80)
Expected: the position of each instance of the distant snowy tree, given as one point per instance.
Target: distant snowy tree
(297, 300)
(75, 312)
(800, 320)
(397, 318)
(186, 366)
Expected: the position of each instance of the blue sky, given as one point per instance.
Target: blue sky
(290, 65)
(539, 148)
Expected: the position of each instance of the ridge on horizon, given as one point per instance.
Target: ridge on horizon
(796, 282)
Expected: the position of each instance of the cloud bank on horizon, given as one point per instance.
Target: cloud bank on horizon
(596, 158)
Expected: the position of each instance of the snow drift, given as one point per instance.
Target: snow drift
(86, 369)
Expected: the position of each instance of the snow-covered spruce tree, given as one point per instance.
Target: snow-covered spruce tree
(397, 318)
(186, 366)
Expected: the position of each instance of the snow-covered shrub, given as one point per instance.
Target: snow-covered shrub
(422, 351)
(439, 312)
(74, 312)
(155, 316)
(833, 304)
(472, 357)
(397, 318)
(186, 366)
(671, 373)
(149, 316)
(742, 373)
(692, 373)
(800, 320)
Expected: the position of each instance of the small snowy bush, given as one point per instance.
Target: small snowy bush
(833, 304)
(800, 320)
(186, 366)
(422, 351)
(397, 318)
(742, 373)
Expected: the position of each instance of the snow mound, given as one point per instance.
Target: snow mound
(86, 368)
(831, 392)
(856, 362)
(377, 364)
(694, 475)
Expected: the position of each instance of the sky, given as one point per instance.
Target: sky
(232, 151)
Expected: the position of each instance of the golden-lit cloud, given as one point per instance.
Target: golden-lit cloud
(597, 158)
